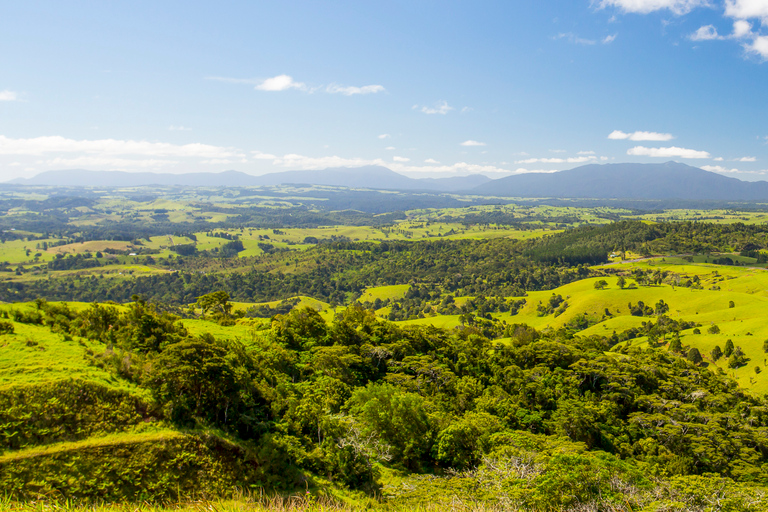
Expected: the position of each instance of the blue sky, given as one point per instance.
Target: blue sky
(426, 88)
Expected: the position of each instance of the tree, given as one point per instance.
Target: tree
(621, 282)
(731, 304)
(728, 348)
(694, 356)
(601, 284)
(713, 329)
(675, 345)
(716, 353)
(765, 346)
(399, 418)
(217, 302)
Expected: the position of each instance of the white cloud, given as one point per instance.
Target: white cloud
(718, 159)
(173, 128)
(670, 152)
(441, 107)
(585, 153)
(350, 90)
(758, 46)
(258, 155)
(472, 143)
(640, 136)
(400, 159)
(747, 159)
(107, 163)
(431, 161)
(280, 83)
(647, 6)
(557, 151)
(609, 39)
(574, 39)
(384, 136)
(390, 148)
(718, 168)
(7, 95)
(744, 9)
(58, 144)
(741, 28)
(571, 160)
(705, 33)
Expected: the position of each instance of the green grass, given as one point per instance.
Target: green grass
(393, 292)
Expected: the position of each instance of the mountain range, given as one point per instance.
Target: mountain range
(670, 180)
(375, 177)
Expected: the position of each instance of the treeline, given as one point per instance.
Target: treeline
(340, 399)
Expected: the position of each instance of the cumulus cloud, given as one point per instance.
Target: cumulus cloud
(705, 33)
(745, 9)
(400, 159)
(718, 168)
(753, 42)
(647, 6)
(351, 90)
(440, 107)
(609, 39)
(7, 95)
(280, 83)
(108, 163)
(741, 28)
(384, 136)
(571, 160)
(472, 143)
(58, 144)
(431, 161)
(670, 152)
(258, 155)
(747, 159)
(640, 136)
(758, 46)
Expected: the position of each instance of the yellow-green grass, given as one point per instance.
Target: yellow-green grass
(123, 438)
(241, 331)
(442, 321)
(392, 292)
(721, 216)
(92, 247)
(15, 251)
(34, 354)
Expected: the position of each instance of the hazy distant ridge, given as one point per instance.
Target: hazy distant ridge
(360, 177)
(670, 180)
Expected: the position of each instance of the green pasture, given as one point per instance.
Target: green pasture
(34, 354)
(392, 292)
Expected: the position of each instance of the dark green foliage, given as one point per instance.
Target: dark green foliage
(68, 410)
(728, 348)
(713, 329)
(694, 356)
(206, 380)
(716, 353)
(137, 469)
(6, 327)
